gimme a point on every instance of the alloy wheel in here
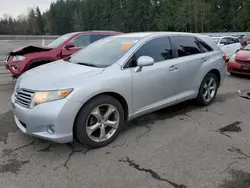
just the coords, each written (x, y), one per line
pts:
(102, 123)
(209, 89)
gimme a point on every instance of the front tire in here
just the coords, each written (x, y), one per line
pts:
(99, 121)
(208, 90)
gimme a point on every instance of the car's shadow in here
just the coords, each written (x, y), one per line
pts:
(240, 76)
(169, 112)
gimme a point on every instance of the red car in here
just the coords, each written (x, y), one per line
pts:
(28, 57)
(239, 63)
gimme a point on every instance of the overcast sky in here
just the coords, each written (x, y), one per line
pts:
(16, 7)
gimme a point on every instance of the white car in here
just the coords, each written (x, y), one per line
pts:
(229, 45)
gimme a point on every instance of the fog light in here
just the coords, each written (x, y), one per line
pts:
(51, 129)
(15, 68)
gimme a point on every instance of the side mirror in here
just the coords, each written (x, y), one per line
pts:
(69, 45)
(145, 61)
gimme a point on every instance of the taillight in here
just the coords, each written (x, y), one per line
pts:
(224, 57)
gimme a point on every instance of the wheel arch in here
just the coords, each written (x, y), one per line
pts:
(115, 95)
(216, 73)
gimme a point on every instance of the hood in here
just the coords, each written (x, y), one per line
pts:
(56, 75)
(243, 55)
(29, 49)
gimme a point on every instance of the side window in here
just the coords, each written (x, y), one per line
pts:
(159, 49)
(204, 46)
(236, 40)
(230, 41)
(94, 38)
(186, 45)
(224, 41)
(81, 40)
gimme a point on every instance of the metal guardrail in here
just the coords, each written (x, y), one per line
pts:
(26, 37)
(47, 37)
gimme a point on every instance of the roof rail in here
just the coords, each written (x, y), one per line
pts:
(101, 31)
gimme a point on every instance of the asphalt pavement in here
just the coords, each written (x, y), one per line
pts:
(184, 146)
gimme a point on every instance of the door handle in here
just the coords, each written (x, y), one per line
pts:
(173, 68)
(203, 60)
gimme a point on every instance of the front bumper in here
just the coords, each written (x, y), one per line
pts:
(238, 68)
(37, 121)
(16, 68)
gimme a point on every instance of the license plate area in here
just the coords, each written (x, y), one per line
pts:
(243, 67)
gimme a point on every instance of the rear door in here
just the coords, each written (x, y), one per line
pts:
(191, 59)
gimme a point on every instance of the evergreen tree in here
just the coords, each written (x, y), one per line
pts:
(39, 21)
(66, 16)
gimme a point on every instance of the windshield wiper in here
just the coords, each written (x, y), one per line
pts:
(86, 64)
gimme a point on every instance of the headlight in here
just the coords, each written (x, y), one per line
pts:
(232, 59)
(46, 96)
(18, 58)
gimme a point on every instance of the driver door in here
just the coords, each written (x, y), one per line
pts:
(155, 85)
(79, 42)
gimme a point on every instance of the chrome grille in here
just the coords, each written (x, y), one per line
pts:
(24, 97)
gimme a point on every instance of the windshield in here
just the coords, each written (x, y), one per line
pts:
(247, 47)
(105, 52)
(60, 40)
(216, 40)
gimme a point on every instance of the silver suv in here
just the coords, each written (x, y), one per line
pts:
(90, 95)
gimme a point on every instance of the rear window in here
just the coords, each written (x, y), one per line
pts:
(186, 45)
(204, 46)
(236, 40)
(247, 47)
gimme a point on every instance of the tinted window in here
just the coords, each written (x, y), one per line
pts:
(236, 40)
(81, 40)
(230, 41)
(186, 46)
(204, 47)
(94, 38)
(224, 41)
(247, 47)
(159, 49)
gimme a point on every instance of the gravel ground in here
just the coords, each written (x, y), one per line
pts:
(183, 146)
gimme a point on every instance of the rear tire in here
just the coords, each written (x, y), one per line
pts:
(99, 121)
(208, 90)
